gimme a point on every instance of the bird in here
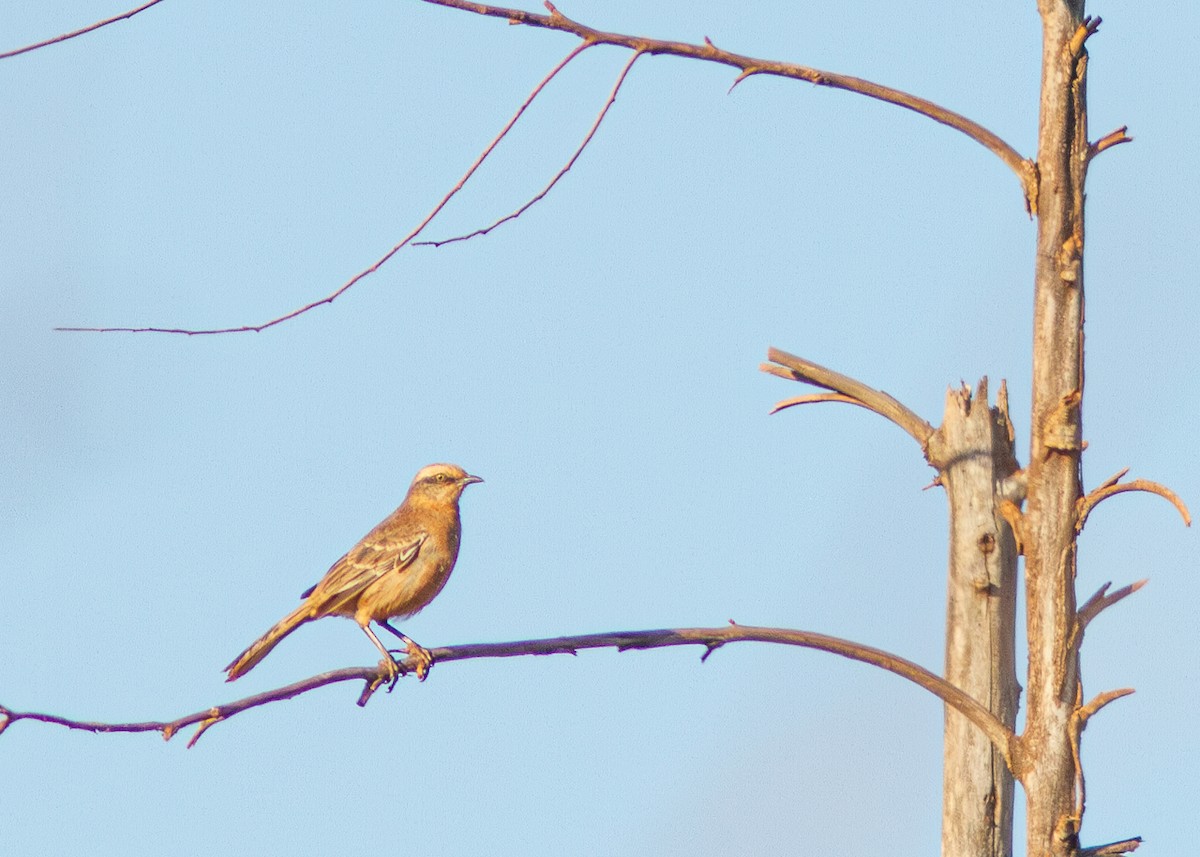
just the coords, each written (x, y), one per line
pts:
(394, 571)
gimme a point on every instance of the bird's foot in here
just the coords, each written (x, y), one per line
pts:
(389, 671)
(420, 654)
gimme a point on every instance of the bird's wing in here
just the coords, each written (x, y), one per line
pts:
(365, 563)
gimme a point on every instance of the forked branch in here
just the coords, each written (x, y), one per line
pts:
(845, 389)
(612, 97)
(710, 638)
(1102, 600)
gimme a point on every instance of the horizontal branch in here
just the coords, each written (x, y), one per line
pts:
(1025, 170)
(124, 16)
(796, 368)
(1112, 849)
(710, 638)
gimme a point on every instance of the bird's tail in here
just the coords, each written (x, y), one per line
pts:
(261, 647)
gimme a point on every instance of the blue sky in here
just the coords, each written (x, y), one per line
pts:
(163, 500)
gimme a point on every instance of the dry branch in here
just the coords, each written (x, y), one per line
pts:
(1112, 849)
(1102, 600)
(1110, 488)
(612, 97)
(330, 298)
(710, 638)
(796, 368)
(124, 16)
(748, 66)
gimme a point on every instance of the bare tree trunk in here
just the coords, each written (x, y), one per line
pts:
(1048, 766)
(973, 451)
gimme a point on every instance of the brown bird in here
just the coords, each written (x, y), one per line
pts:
(397, 569)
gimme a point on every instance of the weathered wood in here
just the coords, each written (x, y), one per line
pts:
(973, 451)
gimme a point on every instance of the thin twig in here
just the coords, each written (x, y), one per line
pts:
(814, 398)
(1111, 489)
(330, 298)
(710, 638)
(612, 97)
(1024, 168)
(89, 28)
(799, 369)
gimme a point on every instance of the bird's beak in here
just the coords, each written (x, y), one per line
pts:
(469, 479)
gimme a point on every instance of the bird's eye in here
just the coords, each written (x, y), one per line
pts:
(441, 477)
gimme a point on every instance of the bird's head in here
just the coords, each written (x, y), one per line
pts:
(440, 483)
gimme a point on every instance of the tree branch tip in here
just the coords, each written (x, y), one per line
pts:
(1114, 479)
(1113, 138)
(1112, 849)
(1086, 29)
(1098, 702)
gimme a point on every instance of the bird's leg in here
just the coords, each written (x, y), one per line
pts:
(389, 662)
(420, 654)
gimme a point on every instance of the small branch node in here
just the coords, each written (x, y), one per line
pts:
(1086, 29)
(748, 71)
(1112, 138)
(213, 719)
(1060, 433)
(1015, 519)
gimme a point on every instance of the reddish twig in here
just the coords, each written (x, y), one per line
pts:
(1024, 168)
(812, 398)
(330, 298)
(89, 28)
(710, 638)
(612, 97)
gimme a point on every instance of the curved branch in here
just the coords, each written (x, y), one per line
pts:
(612, 97)
(812, 398)
(330, 298)
(1024, 168)
(710, 638)
(124, 16)
(1110, 488)
(798, 369)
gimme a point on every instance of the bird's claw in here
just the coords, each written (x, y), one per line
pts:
(421, 655)
(389, 671)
